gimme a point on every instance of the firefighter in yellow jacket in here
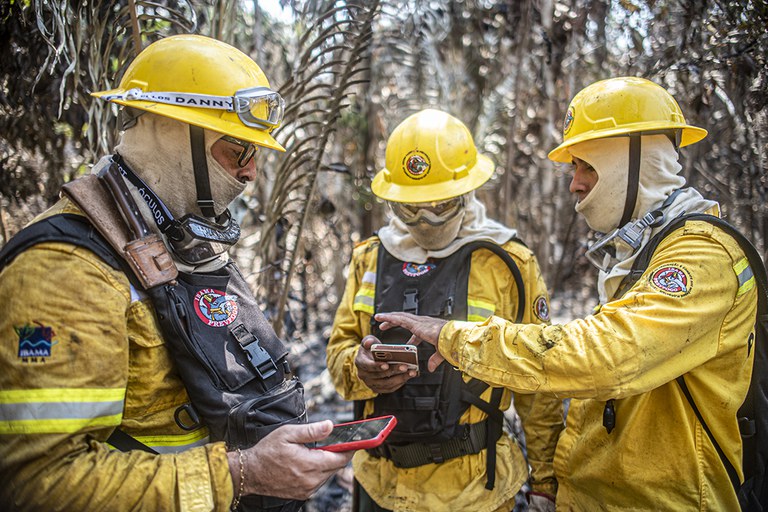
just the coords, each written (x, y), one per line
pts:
(440, 255)
(633, 440)
(82, 355)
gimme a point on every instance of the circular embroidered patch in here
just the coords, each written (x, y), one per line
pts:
(541, 308)
(215, 308)
(416, 164)
(672, 280)
(417, 269)
(568, 122)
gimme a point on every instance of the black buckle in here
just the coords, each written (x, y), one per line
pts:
(259, 358)
(411, 302)
(436, 453)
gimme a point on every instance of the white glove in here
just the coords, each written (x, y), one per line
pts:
(540, 502)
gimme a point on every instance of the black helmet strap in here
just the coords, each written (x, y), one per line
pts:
(200, 166)
(633, 179)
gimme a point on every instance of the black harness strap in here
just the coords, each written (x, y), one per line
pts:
(126, 443)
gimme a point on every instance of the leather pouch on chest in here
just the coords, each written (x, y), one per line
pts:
(231, 361)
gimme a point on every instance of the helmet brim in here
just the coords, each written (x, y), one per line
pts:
(224, 125)
(474, 178)
(690, 135)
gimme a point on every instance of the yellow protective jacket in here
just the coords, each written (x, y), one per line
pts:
(106, 367)
(456, 484)
(658, 457)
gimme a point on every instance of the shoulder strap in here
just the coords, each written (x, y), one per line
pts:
(506, 258)
(64, 227)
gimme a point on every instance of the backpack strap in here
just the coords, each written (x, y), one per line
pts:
(65, 227)
(506, 258)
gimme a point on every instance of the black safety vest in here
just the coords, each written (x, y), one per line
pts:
(232, 363)
(429, 407)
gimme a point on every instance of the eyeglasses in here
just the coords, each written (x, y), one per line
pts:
(434, 213)
(248, 152)
(257, 107)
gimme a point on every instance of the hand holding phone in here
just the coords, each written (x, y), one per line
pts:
(407, 355)
(358, 435)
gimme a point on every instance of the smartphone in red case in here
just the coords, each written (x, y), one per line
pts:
(358, 435)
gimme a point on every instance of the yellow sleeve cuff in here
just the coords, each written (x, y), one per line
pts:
(450, 341)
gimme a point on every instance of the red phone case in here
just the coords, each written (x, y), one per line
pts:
(362, 444)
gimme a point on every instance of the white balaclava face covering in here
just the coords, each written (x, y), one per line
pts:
(158, 150)
(659, 168)
(433, 238)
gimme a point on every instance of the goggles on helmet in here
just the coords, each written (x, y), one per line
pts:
(257, 107)
(193, 239)
(249, 150)
(432, 213)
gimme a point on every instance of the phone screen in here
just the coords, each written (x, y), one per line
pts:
(357, 431)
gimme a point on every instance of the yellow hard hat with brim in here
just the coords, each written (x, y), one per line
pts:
(619, 106)
(202, 82)
(430, 156)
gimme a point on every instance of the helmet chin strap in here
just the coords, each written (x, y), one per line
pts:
(633, 179)
(200, 167)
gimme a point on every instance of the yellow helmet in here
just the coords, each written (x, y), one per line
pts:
(430, 157)
(620, 106)
(205, 83)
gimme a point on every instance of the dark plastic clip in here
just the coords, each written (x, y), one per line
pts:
(411, 302)
(259, 358)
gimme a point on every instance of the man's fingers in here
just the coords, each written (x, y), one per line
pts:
(435, 361)
(368, 341)
(414, 340)
(389, 320)
(307, 433)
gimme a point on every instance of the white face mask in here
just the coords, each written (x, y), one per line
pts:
(603, 207)
(433, 238)
(659, 168)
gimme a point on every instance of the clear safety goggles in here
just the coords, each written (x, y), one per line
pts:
(624, 240)
(247, 153)
(432, 213)
(257, 107)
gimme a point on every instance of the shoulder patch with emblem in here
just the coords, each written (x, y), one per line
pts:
(541, 308)
(673, 280)
(35, 342)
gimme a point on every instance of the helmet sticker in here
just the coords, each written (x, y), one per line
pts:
(215, 308)
(541, 308)
(35, 342)
(416, 164)
(417, 269)
(568, 121)
(672, 280)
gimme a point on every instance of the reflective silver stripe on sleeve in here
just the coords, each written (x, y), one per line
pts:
(41, 411)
